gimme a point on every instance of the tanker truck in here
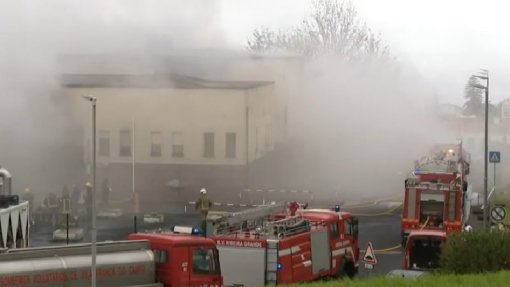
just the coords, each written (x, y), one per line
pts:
(146, 259)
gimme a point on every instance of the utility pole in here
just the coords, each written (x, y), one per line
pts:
(93, 193)
(485, 76)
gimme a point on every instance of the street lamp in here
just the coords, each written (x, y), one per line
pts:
(93, 193)
(485, 76)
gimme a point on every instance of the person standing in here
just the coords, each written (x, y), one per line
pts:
(203, 204)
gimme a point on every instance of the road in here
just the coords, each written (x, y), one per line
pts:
(379, 223)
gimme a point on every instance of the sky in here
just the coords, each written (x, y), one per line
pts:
(446, 41)
(443, 41)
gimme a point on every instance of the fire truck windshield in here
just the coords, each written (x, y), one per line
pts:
(206, 261)
(431, 213)
(424, 253)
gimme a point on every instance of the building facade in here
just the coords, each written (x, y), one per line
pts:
(169, 135)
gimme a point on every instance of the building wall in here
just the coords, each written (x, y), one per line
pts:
(190, 111)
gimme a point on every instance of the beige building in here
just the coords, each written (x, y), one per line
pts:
(178, 131)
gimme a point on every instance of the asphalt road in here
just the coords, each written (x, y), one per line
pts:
(378, 223)
(382, 229)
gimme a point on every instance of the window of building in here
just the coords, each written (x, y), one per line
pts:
(230, 145)
(103, 143)
(177, 144)
(208, 144)
(125, 143)
(155, 144)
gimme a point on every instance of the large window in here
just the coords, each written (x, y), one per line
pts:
(125, 143)
(103, 143)
(177, 144)
(208, 144)
(205, 261)
(230, 145)
(155, 144)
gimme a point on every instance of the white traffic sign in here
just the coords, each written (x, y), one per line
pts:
(498, 213)
(494, 156)
(369, 257)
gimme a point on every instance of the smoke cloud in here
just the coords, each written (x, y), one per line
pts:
(38, 138)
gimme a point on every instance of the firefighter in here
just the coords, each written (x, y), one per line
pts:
(203, 204)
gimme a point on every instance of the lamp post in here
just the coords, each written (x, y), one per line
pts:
(485, 76)
(93, 193)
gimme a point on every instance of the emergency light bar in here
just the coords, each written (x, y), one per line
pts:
(187, 230)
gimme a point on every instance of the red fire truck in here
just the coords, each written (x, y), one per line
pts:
(437, 193)
(274, 245)
(149, 260)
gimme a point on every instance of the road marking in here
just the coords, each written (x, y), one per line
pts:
(389, 250)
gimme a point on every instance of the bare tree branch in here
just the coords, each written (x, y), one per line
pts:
(333, 27)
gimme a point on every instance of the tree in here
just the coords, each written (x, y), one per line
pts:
(332, 27)
(473, 96)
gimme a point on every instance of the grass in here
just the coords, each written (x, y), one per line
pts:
(474, 280)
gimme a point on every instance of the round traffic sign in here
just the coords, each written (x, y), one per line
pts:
(498, 213)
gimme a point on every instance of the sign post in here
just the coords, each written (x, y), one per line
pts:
(369, 259)
(498, 213)
(494, 157)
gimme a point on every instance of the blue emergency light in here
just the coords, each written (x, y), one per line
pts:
(337, 208)
(197, 231)
(279, 266)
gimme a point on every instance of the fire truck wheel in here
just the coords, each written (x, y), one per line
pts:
(347, 270)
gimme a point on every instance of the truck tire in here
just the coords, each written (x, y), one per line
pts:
(347, 270)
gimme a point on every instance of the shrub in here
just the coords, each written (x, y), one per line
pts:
(476, 252)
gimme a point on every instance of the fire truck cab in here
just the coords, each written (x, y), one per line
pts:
(423, 249)
(437, 192)
(147, 259)
(270, 245)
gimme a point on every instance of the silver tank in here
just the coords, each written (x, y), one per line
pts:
(5, 182)
(123, 263)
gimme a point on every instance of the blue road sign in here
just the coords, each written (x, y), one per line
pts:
(494, 156)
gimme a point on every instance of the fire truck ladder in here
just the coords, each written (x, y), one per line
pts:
(272, 261)
(287, 226)
(246, 219)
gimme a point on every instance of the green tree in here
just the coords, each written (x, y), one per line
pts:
(333, 27)
(473, 105)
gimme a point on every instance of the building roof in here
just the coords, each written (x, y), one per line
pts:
(149, 81)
